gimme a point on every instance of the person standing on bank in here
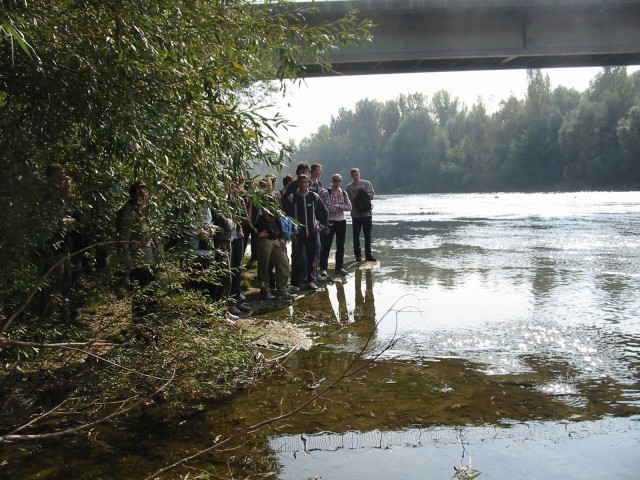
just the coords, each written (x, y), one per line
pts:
(315, 185)
(337, 202)
(305, 208)
(361, 214)
(136, 248)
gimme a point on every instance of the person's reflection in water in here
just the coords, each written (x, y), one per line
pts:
(342, 315)
(364, 314)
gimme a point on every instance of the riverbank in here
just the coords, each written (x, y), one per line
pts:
(128, 350)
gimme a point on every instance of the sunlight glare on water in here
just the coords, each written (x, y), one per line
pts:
(535, 297)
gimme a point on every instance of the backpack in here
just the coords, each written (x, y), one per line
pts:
(362, 201)
(286, 225)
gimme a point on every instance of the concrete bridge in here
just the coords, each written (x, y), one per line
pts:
(453, 35)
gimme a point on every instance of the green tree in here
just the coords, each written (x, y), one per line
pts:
(444, 107)
(589, 136)
(171, 93)
(552, 139)
(542, 168)
(409, 167)
(629, 138)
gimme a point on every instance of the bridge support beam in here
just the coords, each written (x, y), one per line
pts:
(453, 35)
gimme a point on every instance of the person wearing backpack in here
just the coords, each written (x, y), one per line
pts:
(361, 193)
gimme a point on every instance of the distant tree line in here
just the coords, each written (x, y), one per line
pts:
(553, 139)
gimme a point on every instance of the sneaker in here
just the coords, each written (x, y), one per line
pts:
(293, 288)
(371, 259)
(235, 311)
(286, 295)
(230, 317)
(266, 295)
(241, 297)
(312, 286)
(323, 273)
(340, 271)
(244, 307)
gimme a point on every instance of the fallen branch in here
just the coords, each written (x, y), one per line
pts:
(13, 436)
(8, 342)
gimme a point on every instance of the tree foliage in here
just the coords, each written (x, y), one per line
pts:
(552, 139)
(171, 93)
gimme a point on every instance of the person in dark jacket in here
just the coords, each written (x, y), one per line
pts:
(310, 215)
(271, 252)
(136, 247)
(362, 220)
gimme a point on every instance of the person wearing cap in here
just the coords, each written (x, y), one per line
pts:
(310, 215)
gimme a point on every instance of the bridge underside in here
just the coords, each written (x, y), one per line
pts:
(454, 35)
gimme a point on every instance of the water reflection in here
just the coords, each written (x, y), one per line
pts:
(364, 315)
(517, 328)
(525, 296)
(430, 453)
(342, 314)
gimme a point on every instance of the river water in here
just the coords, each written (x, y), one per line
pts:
(506, 334)
(499, 333)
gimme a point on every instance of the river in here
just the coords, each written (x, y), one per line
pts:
(500, 333)
(509, 330)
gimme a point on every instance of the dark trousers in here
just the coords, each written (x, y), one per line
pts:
(237, 254)
(339, 230)
(303, 257)
(365, 224)
(216, 288)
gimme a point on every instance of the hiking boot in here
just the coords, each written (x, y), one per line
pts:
(371, 259)
(340, 271)
(234, 311)
(358, 259)
(312, 286)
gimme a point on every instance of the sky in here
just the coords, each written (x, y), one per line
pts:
(313, 102)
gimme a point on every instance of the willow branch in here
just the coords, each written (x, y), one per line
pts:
(120, 411)
(8, 342)
(34, 291)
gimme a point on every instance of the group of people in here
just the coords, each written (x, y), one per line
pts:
(318, 214)
(303, 214)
